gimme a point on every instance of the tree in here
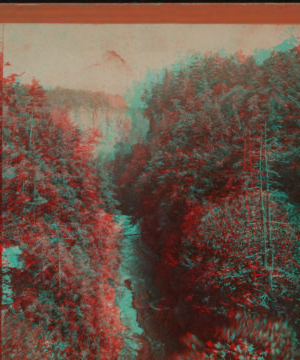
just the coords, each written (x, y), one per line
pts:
(54, 198)
(213, 197)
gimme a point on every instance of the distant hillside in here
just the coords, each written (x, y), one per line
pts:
(74, 99)
(110, 113)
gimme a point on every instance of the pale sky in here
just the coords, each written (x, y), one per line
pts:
(79, 56)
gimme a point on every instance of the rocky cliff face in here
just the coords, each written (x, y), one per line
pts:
(108, 113)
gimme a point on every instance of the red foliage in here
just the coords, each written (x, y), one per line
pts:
(63, 304)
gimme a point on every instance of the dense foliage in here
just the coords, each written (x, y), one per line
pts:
(54, 202)
(213, 189)
(216, 190)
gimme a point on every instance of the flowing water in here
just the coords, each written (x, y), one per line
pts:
(124, 293)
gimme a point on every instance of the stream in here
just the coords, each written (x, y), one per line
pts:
(124, 294)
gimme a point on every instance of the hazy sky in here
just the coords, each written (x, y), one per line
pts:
(91, 57)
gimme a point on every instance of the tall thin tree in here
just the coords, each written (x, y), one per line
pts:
(1, 195)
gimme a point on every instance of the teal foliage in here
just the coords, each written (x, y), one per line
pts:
(211, 187)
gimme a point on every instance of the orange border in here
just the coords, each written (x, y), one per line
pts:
(151, 13)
